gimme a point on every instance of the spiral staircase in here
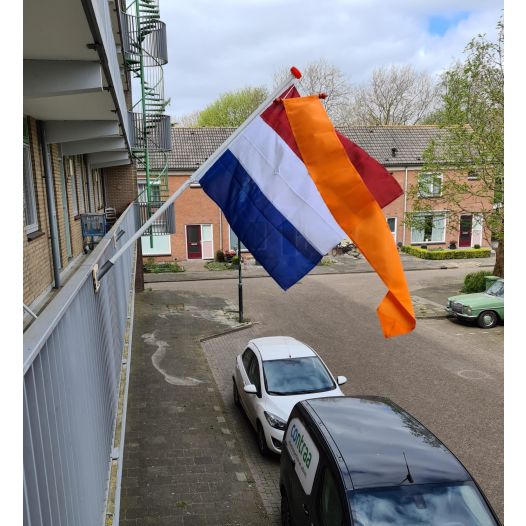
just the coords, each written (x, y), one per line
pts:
(145, 54)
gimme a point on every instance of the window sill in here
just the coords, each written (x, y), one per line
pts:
(35, 235)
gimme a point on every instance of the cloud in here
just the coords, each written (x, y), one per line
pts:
(214, 47)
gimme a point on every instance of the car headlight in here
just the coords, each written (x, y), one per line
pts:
(466, 309)
(275, 421)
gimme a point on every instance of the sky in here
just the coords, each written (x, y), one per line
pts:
(219, 46)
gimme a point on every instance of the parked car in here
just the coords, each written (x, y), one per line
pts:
(271, 376)
(487, 308)
(364, 461)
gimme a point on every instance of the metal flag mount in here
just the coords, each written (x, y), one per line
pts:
(294, 76)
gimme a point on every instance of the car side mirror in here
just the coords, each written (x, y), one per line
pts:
(250, 389)
(341, 380)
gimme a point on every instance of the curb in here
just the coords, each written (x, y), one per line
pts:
(235, 328)
(219, 278)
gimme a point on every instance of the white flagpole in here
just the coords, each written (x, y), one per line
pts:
(198, 173)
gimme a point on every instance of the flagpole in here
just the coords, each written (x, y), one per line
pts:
(294, 75)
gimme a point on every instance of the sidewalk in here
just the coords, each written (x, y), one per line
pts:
(196, 271)
(182, 462)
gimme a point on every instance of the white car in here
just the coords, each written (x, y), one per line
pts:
(271, 375)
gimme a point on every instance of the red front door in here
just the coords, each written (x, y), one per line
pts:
(464, 238)
(193, 241)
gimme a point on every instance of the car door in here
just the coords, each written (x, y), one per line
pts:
(329, 506)
(253, 400)
(243, 365)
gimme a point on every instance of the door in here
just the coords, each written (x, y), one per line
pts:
(207, 242)
(464, 238)
(193, 241)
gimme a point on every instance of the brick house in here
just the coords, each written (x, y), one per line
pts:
(201, 228)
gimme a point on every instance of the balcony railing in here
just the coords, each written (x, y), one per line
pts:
(72, 367)
(163, 225)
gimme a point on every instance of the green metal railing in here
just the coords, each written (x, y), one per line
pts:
(145, 53)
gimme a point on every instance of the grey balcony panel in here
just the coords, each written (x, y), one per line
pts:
(72, 131)
(99, 19)
(54, 78)
(93, 145)
(163, 225)
(158, 132)
(152, 34)
(72, 355)
(103, 157)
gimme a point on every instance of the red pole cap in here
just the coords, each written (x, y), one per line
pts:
(296, 72)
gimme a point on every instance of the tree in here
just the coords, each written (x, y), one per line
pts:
(232, 108)
(472, 141)
(189, 120)
(322, 77)
(394, 95)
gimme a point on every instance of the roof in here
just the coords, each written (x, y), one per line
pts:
(372, 434)
(192, 146)
(281, 348)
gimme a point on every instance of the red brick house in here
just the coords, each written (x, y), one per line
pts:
(201, 228)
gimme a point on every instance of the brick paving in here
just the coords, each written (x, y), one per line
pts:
(183, 464)
(220, 353)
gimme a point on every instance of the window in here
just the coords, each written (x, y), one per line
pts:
(329, 501)
(253, 374)
(430, 184)
(80, 183)
(30, 202)
(247, 355)
(429, 228)
(97, 189)
(69, 163)
(233, 241)
(391, 223)
(155, 192)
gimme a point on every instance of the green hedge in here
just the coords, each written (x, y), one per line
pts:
(460, 253)
(475, 281)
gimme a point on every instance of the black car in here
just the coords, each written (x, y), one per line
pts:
(365, 461)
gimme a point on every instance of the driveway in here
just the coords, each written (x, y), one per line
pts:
(448, 375)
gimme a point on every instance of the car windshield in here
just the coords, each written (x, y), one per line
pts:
(496, 289)
(421, 504)
(296, 376)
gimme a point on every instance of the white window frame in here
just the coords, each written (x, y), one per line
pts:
(394, 232)
(30, 202)
(432, 213)
(432, 183)
(230, 245)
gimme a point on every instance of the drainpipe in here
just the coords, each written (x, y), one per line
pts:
(52, 210)
(220, 229)
(405, 206)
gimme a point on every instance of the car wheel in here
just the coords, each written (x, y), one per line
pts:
(487, 319)
(286, 519)
(235, 393)
(262, 441)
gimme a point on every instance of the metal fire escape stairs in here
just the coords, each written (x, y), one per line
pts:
(145, 53)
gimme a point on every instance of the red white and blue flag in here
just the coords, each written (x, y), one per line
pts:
(292, 187)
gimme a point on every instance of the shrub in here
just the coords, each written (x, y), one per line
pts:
(220, 256)
(461, 253)
(151, 267)
(235, 261)
(476, 246)
(475, 281)
(216, 265)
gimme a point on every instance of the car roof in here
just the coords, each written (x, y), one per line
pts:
(281, 348)
(370, 435)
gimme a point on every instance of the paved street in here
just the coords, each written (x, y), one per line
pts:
(449, 375)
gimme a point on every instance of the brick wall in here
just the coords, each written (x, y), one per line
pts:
(37, 256)
(120, 184)
(37, 252)
(195, 207)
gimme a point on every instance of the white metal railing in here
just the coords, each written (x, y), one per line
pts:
(72, 364)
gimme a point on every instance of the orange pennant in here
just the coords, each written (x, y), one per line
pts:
(352, 206)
